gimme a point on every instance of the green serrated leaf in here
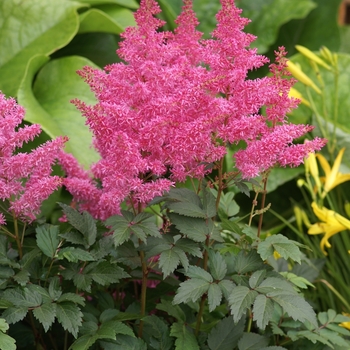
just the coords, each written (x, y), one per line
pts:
(22, 277)
(296, 307)
(189, 247)
(73, 254)
(83, 222)
(121, 229)
(252, 341)
(70, 317)
(47, 239)
(214, 296)
(3, 325)
(124, 342)
(75, 298)
(191, 290)
(209, 203)
(105, 273)
(14, 314)
(225, 334)
(226, 287)
(274, 285)
(84, 342)
(218, 266)
(168, 261)
(282, 245)
(298, 281)
(54, 288)
(172, 310)
(73, 237)
(7, 342)
(256, 278)
(45, 314)
(185, 340)
(262, 311)
(240, 300)
(247, 262)
(157, 333)
(198, 272)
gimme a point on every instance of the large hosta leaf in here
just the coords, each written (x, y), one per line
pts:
(31, 28)
(48, 103)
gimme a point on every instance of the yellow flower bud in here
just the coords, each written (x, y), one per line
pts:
(300, 183)
(296, 94)
(301, 76)
(313, 57)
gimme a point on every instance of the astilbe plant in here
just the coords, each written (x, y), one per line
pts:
(171, 268)
(25, 178)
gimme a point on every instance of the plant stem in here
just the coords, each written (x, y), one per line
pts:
(262, 205)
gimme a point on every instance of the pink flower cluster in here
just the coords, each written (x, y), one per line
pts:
(174, 105)
(25, 178)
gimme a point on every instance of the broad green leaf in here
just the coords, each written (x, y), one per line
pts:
(226, 287)
(83, 222)
(225, 334)
(47, 239)
(198, 272)
(54, 288)
(6, 272)
(172, 310)
(227, 206)
(247, 262)
(196, 229)
(191, 290)
(312, 336)
(262, 311)
(70, 317)
(189, 247)
(15, 314)
(214, 296)
(22, 277)
(282, 245)
(298, 281)
(75, 298)
(73, 254)
(240, 300)
(132, 4)
(312, 31)
(275, 285)
(124, 342)
(73, 237)
(59, 116)
(45, 314)
(296, 307)
(34, 28)
(109, 329)
(121, 229)
(209, 203)
(7, 342)
(185, 340)
(256, 278)
(143, 225)
(105, 273)
(168, 261)
(218, 267)
(22, 298)
(252, 341)
(333, 337)
(267, 16)
(157, 333)
(84, 342)
(3, 325)
(122, 17)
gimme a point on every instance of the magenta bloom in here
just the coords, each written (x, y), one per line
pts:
(25, 178)
(174, 105)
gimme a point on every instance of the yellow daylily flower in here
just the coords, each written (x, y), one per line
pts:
(312, 168)
(333, 177)
(345, 324)
(332, 223)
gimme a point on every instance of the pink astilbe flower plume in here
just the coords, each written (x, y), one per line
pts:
(25, 178)
(174, 104)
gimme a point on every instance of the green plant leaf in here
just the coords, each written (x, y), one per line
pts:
(296, 307)
(185, 340)
(3, 325)
(256, 278)
(83, 222)
(218, 266)
(59, 116)
(157, 333)
(105, 273)
(70, 317)
(132, 4)
(7, 342)
(198, 272)
(196, 229)
(47, 239)
(191, 290)
(267, 16)
(262, 311)
(15, 314)
(282, 245)
(298, 281)
(252, 341)
(225, 334)
(240, 300)
(124, 342)
(214, 296)
(168, 261)
(52, 25)
(275, 285)
(172, 310)
(247, 262)
(75, 298)
(226, 287)
(73, 254)
(45, 314)
(121, 229)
